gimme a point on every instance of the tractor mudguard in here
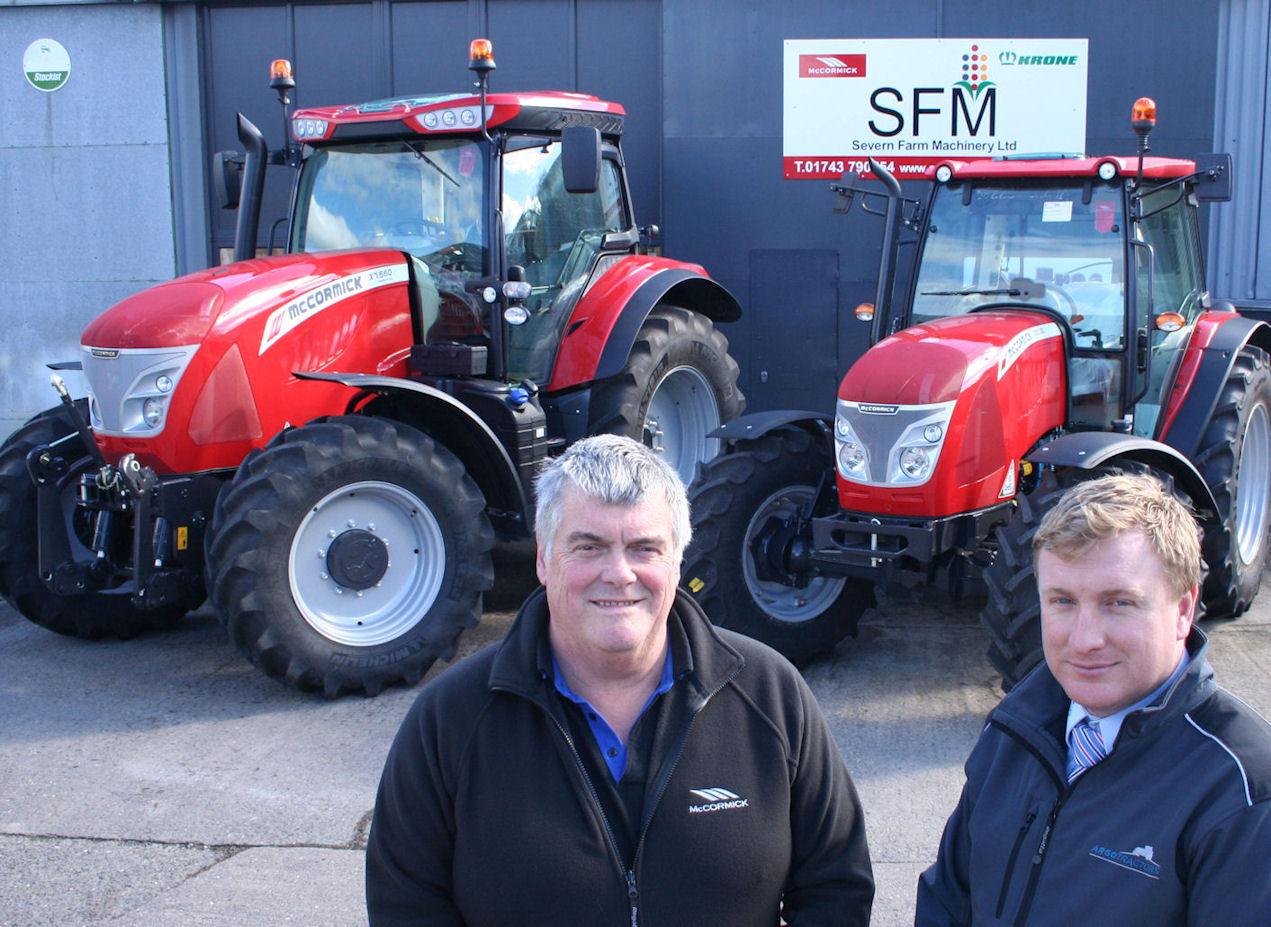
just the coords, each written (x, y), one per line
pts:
(1087, 450)
(462, 431)
(604, 325)
(758, 424)
(1200, 381)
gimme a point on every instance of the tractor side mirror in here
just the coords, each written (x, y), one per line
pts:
(580, 158)
(227, 177)
(1213, 180)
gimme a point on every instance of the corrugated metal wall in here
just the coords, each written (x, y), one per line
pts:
(1240, 232)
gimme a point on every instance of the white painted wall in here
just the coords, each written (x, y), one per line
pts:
(85, 190)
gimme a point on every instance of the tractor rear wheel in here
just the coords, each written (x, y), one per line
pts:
(745, 507)
(106, 612)
(679, 385)
(349, 554)
(1235, 461)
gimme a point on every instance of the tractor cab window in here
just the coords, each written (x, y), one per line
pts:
(1172, 281)
(423, 197)
(555, 237)
(1052, 246)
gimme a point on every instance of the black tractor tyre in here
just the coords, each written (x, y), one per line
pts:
(1012, 610)
(734, 498)
(91, 615)
(1235, 461)
(349, 554)
(679, 384)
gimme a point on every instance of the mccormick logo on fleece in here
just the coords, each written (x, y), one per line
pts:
(324, 296)
(1021, 343)
(831, 65)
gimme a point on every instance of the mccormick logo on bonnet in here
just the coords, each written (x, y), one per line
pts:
(831, 65)
(311, 302)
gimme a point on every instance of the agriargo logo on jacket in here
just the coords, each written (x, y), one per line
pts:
(716, 800)
(831, 65)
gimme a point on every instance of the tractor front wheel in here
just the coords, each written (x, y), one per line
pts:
(679, 385)
(349, 554)
(1012, 612)
(747, 508)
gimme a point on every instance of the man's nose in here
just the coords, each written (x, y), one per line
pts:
(1088, 630)
(618, 569)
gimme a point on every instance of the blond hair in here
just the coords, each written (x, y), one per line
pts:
(1098, 509)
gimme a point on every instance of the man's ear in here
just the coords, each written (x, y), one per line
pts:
(540, 564)
(1187, 611)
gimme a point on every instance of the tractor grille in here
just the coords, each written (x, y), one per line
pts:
(120, 380)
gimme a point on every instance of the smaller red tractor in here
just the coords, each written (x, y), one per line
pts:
(1054, 326)
(326, 442)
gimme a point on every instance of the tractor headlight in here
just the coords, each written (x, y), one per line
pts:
(853, 462)
(915, 462)
(918, 447)
(152, 410)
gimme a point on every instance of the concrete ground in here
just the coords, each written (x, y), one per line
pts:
(164, 781)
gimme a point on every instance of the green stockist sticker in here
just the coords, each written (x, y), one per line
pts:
(47, 65)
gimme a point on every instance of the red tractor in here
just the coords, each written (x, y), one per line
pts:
(1054, 325)
(326, 442)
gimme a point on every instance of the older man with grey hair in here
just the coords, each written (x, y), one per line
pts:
(616, 759)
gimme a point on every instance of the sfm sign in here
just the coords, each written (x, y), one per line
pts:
(911, 103)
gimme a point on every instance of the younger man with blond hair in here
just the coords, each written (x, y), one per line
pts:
(1116, 784)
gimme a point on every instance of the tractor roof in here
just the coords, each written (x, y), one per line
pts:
(442, 114)
(1054, 166)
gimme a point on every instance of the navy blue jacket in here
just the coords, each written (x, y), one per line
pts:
(1172, 828)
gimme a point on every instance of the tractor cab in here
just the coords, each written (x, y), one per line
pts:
(502, 203)
(1108, 250)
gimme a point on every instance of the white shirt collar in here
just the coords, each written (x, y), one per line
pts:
(1110, 726)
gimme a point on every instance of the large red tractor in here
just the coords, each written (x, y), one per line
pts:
(326, 442)
(1054, 325)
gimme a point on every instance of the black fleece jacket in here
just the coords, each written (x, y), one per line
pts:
(486, 815)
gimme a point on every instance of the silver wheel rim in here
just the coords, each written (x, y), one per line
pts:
(416, 564)
(681, 413)
(785, 603)
(1253, 485)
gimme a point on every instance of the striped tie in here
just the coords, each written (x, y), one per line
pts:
(1086, 747)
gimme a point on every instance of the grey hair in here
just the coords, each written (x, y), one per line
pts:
(613, 470)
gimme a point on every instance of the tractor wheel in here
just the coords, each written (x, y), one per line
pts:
(91, 615)
(349, 554)
(742, 504)
(1012, 612)
(1235, 461)
(679, 385)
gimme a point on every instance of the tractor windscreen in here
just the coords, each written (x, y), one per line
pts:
(1054, 246)
(424, 197)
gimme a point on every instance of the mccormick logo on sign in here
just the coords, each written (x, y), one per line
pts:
(831, 65)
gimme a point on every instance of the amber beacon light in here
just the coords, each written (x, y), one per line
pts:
(481, 55)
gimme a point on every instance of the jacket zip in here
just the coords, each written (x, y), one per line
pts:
(1034, 874)
(1026, 903)
(1010, 862)
(628, 875)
